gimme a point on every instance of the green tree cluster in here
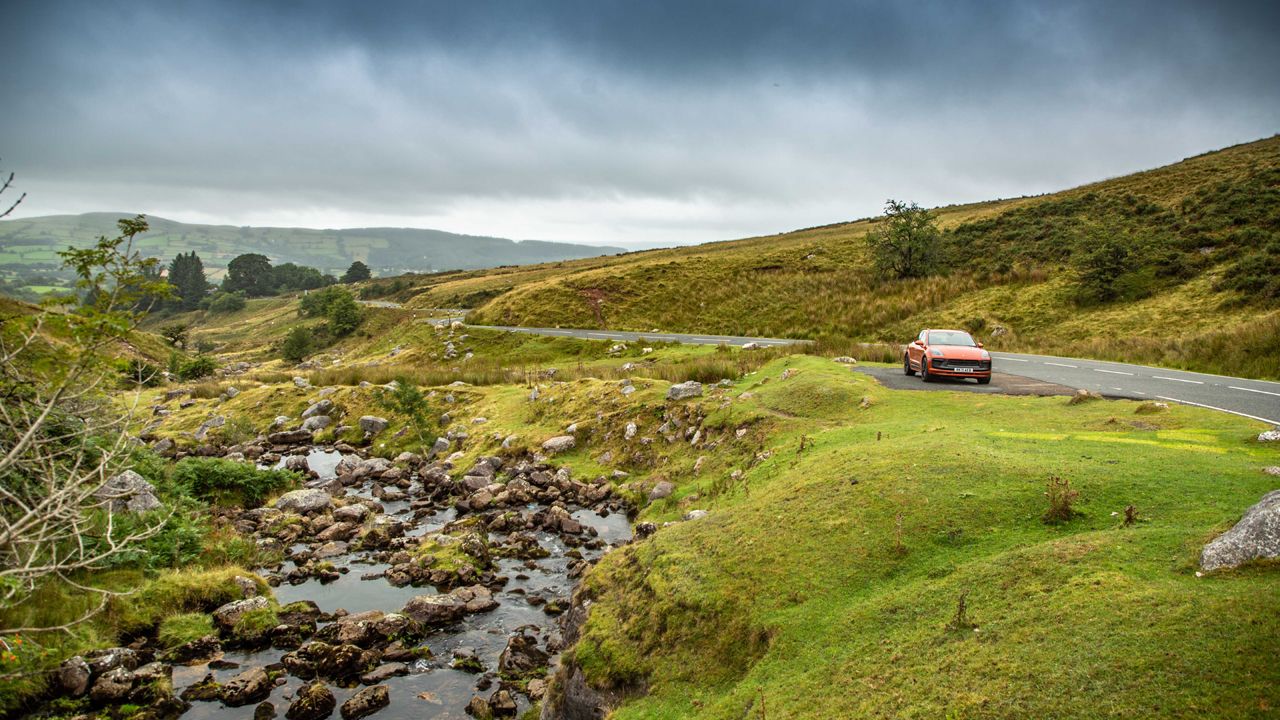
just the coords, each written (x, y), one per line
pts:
(253, 275)
(907, 243)
(358, 272)
(186, 275)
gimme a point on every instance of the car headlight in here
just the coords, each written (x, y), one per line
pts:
(935, 352)
(986, 355)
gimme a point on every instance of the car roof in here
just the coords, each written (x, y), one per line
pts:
(966, 332)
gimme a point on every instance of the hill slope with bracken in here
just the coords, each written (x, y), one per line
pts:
(1203, 241)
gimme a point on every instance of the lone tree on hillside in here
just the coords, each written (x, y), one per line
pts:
(1099, 264)
(906, 243)
(250, 274)
(358, 272)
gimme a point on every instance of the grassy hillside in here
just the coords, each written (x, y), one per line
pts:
(31, 244)
(1203, 237)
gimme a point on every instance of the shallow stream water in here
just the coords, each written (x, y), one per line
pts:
(432, 689)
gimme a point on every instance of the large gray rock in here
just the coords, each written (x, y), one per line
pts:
(129, 492)
(663, 489)
(314, 702)
(316, 423)
(1272, 435)
(73, 676)
(1255, 537)
(683, 390)
(290, 437)
(305, 501)
(372, 424)
(321, 407)
(559, 444)
(112, 686)
(436, 610)
(216, 421)
(228, 615)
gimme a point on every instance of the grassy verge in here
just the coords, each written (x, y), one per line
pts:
(826, 581)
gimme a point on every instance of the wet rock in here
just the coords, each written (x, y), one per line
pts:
(251, 686)
(559, 444)
(207, 690)
(129, 492)
(684, 390)
(73, 676)
(384, 672)
(437, 610)
(227, 616)
(112, 686)
(354, 513)
(501, 704)
(314, 702)
(336, 662)
(305, 501)
(264, 711)
(522, 658)
(372, 424)
(366, 702)
(195, 652)
(1255, 537)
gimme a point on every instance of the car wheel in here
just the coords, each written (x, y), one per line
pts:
(906, 366)
(984, 381)
(924, 369)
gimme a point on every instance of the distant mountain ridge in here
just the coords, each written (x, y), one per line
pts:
(33, 242)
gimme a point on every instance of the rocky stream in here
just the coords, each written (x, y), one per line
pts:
(409, 588)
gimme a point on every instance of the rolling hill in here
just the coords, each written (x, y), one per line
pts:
(31, 243)
(1199, 291)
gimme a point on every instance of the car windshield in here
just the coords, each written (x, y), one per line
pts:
(950, 337)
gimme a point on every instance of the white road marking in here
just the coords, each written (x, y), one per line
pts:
(1193, 382)
(1138, 392)
(1113, 372)
(1002, 359)
(1061, 364)
(1213, 407)
(1264, 392)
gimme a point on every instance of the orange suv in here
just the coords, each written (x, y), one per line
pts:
(947, 353)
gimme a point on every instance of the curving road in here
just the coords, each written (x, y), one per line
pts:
(1021, 374)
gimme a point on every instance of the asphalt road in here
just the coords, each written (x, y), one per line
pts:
(687, 338)
(1032, 374)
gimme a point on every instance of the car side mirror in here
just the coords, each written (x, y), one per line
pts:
(980, 344)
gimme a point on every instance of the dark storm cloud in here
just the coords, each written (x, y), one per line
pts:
(662, 121)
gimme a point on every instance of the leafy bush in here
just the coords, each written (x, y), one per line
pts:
(1099, 266)
(222, 481)
(226, 302)
(200, 367)
(337, 305)
(298, 344)
(175, 333)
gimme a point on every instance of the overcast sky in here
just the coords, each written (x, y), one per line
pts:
(613, 122)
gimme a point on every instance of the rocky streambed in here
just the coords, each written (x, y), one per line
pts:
(408, 588)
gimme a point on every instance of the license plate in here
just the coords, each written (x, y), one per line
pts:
(964, 369)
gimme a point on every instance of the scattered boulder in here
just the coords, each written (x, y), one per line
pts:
(316, 423)
(251, 686)
(681, 391)
(227, 616)
(436, 610)
(1150, 408)
(522, 658)
(73, 676)
(559, 444)
(314, 702)
(321, 407)
(1273, 470)
(1272, 435)
(101, 661)
(1255, 537)
(662, 490)
(216, 421)
(112, 686)
(366, 702)
(846, 360)
(695, 514)
(372, 425)
(129, 492)
(305, 501)
(290, 437)
(1083, 396)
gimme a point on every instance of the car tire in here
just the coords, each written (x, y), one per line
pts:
(924, 370)
(906, 366)
(984, 381)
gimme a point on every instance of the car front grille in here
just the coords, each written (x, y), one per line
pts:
(949, 364)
